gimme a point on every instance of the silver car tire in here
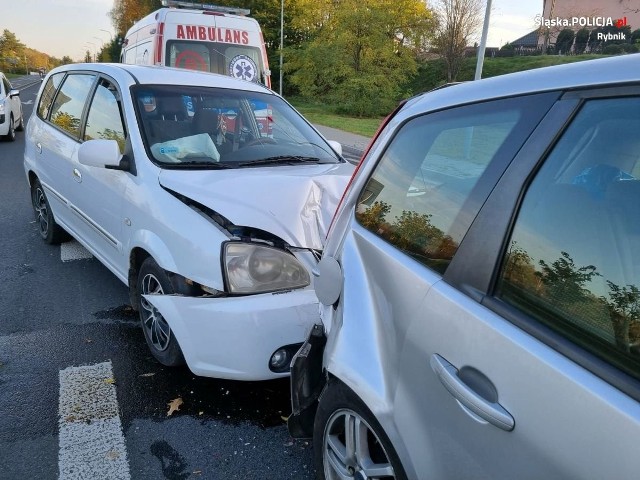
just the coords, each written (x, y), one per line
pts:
(348, 441)
(159, 337)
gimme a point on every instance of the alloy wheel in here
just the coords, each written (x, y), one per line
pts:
(352, 450)
(42, 212)
(156, 327)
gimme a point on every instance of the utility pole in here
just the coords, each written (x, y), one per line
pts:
(483, 42)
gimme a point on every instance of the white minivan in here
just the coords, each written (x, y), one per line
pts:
(208, 38)
(207, 196)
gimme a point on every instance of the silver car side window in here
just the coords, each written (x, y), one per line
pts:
(425, 176)
(573, 261)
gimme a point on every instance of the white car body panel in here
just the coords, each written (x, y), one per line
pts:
(234, 337)
(300, 214)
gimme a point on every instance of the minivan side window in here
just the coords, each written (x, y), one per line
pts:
(573, 261)
(48, 92)
(417, 196)
(104, 120)
(69, 103)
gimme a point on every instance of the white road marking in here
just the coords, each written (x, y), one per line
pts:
(73, 251)
(28, 102)
(91, 440)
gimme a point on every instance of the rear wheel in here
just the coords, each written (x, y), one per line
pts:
(348, 441)
(163, 344)
(49, 230)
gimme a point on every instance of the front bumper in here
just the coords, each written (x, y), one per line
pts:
(234, 337)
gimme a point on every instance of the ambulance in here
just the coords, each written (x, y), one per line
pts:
(196, 36)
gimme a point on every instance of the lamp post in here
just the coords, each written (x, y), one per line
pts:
(281, 40)
(110, 34)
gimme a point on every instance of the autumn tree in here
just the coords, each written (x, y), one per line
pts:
(11, 49)
(126, 12)
(458, 22)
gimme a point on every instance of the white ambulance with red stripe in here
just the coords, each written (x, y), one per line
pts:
(201, 37)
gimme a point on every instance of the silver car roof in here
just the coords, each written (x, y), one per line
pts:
(622, 69)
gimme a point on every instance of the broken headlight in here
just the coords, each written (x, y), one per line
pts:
(255, 268)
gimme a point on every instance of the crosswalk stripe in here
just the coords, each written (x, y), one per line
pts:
(73, 251)
(90, 433)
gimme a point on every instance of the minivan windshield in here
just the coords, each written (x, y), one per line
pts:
(203, 127)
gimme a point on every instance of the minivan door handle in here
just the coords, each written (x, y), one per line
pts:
(491, 412)
(77, 176)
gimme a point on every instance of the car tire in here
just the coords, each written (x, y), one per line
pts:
(339, 407)
(20, 126)
(11, 134)
(160, 339)
(49, 230)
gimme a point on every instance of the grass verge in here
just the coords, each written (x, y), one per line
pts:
(322, 114)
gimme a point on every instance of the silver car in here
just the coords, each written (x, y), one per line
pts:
(480, 287)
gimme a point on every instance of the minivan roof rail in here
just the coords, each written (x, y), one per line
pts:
(205, 6)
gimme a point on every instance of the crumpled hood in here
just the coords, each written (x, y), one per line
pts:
(296, 203)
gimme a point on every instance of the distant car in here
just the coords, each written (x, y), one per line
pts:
(11, 118)
(211, 207)
(480, 288)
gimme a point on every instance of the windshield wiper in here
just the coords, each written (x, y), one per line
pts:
(198, 165)
(280, 160)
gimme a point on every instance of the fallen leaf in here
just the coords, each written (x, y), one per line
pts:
(284, 419)
(110, 381)
(113, 455)
(88, 340)
(147, 375)
(200, 413)
(174, 405)
(70, 418)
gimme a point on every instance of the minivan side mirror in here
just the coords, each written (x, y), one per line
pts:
(101, 153)
(14, 93)
(337, 146)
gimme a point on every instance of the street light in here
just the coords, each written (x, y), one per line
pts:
(110, 34)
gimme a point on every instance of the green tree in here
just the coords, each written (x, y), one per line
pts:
(582, 38)
(624, 306)
(564, 41)
(359, 55)
(564, 280)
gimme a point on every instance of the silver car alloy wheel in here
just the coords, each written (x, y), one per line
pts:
(153, 322)
(353, 450)
(42, 212)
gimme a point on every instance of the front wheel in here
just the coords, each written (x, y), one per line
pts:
(160, 339)
(20, 126)
(11, 134)
(348, 441)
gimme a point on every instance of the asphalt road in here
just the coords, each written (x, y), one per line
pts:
(59, 311)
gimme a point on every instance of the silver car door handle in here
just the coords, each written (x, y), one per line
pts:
(39, 147)
(77, 175)
(492, 412)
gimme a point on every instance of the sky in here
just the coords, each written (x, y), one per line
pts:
(71, 27)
